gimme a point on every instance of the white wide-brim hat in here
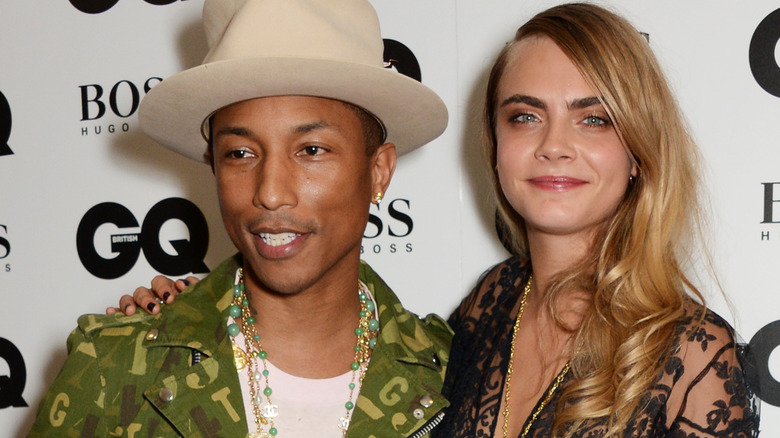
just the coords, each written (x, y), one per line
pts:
(261, 48)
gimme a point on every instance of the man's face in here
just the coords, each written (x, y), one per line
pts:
(294, 184)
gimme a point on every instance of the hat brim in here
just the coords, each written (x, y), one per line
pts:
(172, 113)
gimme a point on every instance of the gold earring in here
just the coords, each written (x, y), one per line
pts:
(378, 198)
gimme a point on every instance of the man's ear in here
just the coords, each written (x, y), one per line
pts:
(382, 167)
(208, 157)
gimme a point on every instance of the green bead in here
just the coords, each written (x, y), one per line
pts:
(357, 347)
(373, 324)
(351, 386)
(251, 320)
(233, 329)
(355, 366)
(267, 390)
(256, 337)
(235, 311)
(241, 286)
(363, 314)
(362, 296)
(272, 431)
(349, 405)
(358, 331)
(265, 373)
(263, 355)
(370, 306)
(245, 303)
(372, 343)
(236, 291)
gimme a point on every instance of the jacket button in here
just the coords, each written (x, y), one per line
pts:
(426, 401)
(166, 395)
(151, 335)
(436, 361)
(418, 413)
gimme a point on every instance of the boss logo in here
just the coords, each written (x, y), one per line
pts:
(762, 54)
(189, 252)
(395, 222)
(5, 126)
(5, 247)
(12, 385)
(100, 6)
(123, 99)
(399, 57)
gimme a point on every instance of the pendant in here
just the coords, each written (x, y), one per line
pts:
(270, 411)
(260, 434)
(239, 357)
(344, 424)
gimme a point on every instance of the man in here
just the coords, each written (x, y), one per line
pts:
(294, 335)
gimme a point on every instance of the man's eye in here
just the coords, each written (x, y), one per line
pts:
(312, 150)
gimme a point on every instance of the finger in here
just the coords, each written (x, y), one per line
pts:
(111, 310)
(184, 283)
(164, 288)
(145, 299)
(126, 305)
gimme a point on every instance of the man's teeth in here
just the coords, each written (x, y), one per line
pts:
(278, 239)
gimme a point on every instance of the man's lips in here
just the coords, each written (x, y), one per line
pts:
(274, 243)
(557, 183)
(278, 239)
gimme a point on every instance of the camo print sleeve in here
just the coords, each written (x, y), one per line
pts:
(74, 401)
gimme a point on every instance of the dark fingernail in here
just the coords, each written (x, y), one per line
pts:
(185, 281)
(126, 306)
(150, 306)
(166, 295)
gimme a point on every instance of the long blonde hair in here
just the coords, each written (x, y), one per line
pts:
(634, 271)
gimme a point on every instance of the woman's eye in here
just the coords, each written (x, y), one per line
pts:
(595, 121)
(525, 118)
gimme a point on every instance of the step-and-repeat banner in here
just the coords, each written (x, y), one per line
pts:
(90, 208)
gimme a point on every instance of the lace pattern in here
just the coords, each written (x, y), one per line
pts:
(702, 385)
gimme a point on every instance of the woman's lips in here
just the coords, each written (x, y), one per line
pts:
(556, 183)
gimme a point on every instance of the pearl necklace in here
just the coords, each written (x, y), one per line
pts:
(259, 387)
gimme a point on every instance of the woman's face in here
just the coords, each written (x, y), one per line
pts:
(561, 164)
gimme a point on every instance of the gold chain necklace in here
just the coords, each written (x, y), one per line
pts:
(366, 333)
(556, 384)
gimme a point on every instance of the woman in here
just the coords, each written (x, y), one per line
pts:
(592, 329)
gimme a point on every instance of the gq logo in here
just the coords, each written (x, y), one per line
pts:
(762, 54)
(764, 342)
(398, 56)
(100, 6)
(12, 385)
(5, 126)
(189, 253)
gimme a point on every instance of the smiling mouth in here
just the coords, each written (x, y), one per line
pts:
(279, 239)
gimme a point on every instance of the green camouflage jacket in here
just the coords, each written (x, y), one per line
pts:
(172, 374)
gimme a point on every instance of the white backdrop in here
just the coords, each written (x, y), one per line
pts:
(69, 141)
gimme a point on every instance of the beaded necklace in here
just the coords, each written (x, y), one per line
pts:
(557, 382)
(259, 387)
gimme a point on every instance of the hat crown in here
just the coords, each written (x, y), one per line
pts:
(341, 30)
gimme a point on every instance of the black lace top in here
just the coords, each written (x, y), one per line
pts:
(716, 400)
